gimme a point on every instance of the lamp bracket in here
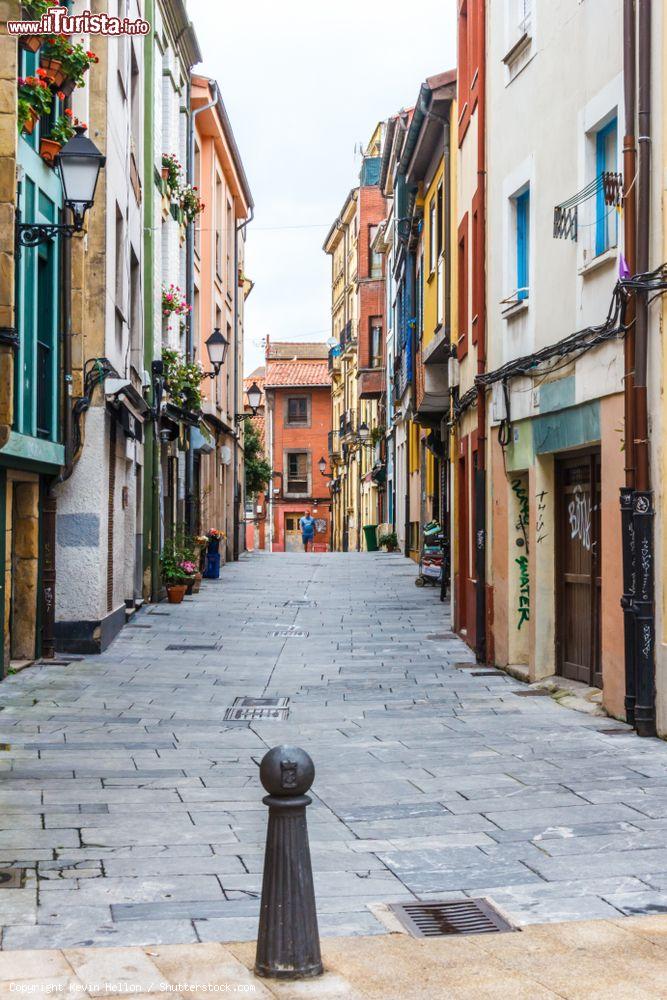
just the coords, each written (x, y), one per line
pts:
(33, 234)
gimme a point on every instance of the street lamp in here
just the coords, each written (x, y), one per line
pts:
(364, 433)
(322, 466)
(216, 345)
(79, 163)
(254, 395)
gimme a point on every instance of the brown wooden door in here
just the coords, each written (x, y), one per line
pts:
(578, 569)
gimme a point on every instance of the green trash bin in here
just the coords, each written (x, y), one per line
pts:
(371, 535)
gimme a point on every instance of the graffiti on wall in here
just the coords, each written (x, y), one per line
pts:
(540, 533)
(579, 515)
(521, 525)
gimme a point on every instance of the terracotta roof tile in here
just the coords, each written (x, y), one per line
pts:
(285, 373)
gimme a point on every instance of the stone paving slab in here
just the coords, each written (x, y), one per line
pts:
(136, 810)
(603, 959)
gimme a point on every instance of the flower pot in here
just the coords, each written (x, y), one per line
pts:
(48, 149)
(190, 586)
(31, 42)
(54, 72)
(165, 173)
(68, 86)
(175, 592)
(29, 126)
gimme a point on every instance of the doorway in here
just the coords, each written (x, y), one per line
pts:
(293, 541)
(578, 564)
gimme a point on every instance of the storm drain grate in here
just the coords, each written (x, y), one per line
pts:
(11, 878)
(300, 603)
(289, 633)
(616, 732)
(532, 693)
(251, 709)
(438, 636)
(465, 916)
(487, 673)
(186, 647)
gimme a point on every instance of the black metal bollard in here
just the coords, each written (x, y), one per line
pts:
(288, 942)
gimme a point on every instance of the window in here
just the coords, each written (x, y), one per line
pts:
(230, 249)
(374, 258)
(120, 262)
(375, 342)
(606, 161)
(524, 9)
(440, 263)
(463, 287)
(197, 173)
(219, 225)
(297, 472)
(522, 208)
(136, 313)
(433, 229)
(297, 410)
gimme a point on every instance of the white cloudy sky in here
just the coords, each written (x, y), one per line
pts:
(304, 81)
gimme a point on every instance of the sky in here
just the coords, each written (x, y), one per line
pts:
(305, 82)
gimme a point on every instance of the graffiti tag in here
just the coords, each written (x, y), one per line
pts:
(579, 515)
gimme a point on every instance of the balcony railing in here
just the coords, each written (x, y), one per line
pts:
(346, 335)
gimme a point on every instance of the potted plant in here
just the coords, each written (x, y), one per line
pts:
(51, 65)
(34, 100)
(171, 171)
(173, 301)
(74, 60)
(189, 202)
(182, 380)
(388, 541)
(61, 132)
(177, 572)
(33, 10)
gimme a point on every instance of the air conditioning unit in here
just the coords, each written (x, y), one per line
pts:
(498, 403)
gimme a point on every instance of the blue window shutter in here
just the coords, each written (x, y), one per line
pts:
(522, 244)
(604, 223)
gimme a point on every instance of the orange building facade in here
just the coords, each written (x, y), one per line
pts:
(298, 421)
(220, 290)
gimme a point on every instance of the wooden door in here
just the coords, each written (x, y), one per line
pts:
(293, 542)
(578, 569)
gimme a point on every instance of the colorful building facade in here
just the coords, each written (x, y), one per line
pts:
(298, 420)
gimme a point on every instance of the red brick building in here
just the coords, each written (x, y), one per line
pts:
(298, 420)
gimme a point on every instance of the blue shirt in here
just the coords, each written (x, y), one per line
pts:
(307, 525)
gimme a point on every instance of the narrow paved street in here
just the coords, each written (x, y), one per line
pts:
(135, 808)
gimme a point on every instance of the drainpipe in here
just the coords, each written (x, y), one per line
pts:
(237, 402)
(643, 510)
(629, 227)
(480, 536)
(190, 295)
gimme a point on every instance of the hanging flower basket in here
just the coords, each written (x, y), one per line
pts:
(34, 100)
(48, 150)
(31, 43)
(53, 71)
(28, 125)
(67, 87)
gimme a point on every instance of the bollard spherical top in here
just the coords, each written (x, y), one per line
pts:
(286, 770)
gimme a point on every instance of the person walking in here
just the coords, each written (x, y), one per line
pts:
(307, 525)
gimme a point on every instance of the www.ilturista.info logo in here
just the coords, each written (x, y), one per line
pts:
(58, 21)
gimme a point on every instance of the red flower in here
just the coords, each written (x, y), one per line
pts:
(60, 95)
(69, 112)
(41, 72)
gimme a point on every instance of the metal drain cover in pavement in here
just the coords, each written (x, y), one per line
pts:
(532, 693)
(186, 647)
(289, 633)
(438, 636)
(300, 603)
(251, 709)
(464, 916)
(11, 878)
(487, 673)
